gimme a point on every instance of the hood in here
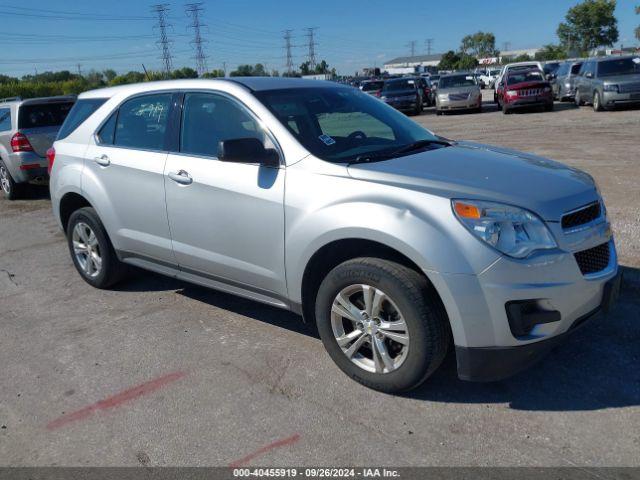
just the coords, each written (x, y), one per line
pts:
(521, 85)
(469, 89)
(475, 171)
(632, 78)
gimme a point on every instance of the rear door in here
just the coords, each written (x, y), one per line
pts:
(125, 166)
(40, 123)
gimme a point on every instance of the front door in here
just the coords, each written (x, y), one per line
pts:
(226, 219)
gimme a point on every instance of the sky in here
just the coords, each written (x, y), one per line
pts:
(350, 34)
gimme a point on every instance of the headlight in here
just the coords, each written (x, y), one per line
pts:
(567, 84)
(512, 93)
(611, 88)
(443, 96)
(514, 231)
(383, 97)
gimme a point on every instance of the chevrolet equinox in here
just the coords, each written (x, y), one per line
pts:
(321, 199)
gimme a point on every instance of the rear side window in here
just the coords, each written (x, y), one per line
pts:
(82, 110)
(142, 122)
(43, 115)
(5, 119)
(108, 130)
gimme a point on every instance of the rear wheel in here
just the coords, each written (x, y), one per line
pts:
(10, 189)
(381, 324)
(91, 250)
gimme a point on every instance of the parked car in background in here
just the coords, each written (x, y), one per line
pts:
(372, 87)
(515, 66)
(27, 130)
(403, 94)
(489, 77)
(393, 241)
(609, 82)
(563, 83)
(550, 69)
(524, 89)
(427, 94)
(458, 92)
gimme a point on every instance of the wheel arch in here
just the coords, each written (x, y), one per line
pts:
(69, 203)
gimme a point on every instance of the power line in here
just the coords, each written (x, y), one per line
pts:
(412, 47)
(193, 10)
(287, 48)
(428, 43)
(311, 44)
(161, 10)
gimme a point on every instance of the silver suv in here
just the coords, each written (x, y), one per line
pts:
(27, 130)
(609, 82)
(320, 199)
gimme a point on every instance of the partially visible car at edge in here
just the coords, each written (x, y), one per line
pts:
(372, 87)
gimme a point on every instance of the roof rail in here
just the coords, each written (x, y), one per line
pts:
(10, 99)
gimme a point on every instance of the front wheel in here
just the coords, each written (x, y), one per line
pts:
(597, 103)
(381, 323)
(91, 250)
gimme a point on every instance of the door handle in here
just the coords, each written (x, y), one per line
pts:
(181, 177)
(102, 160)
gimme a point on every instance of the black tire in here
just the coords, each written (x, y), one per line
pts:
(414, 296)
(505, 109)
(112, 270)
(10, 189)
(597, 102)
(577, 99)
(548, 107)
(438, 112)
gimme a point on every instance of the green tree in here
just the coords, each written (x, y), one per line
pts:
(521, 58)
(551, 52)
(589, 25)
(213, 74)
(479, 44)
(322, 67)
(467, 62)
(109, 74)
(449, 61)
(305, 68)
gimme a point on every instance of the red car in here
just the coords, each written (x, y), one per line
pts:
(524, 89)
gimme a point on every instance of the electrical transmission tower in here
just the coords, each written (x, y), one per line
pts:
(428, 43)
(312, 47)
(287, 47)
(194, 10)
(161, 10)
(412, 47)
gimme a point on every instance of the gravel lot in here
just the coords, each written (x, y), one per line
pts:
(160, 372)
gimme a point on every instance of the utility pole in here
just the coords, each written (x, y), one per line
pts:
(312, 47)
(506, 46)
(194, 10)
(412, 47)
(224, 68)
(287, 47)
(428, 43)
(161, 10)
(79, 65)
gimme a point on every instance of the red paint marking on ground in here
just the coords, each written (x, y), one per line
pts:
(116, 400)
(277, 444)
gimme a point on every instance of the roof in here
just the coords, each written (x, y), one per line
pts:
(416, 59)
(251, 83)
(38, 100)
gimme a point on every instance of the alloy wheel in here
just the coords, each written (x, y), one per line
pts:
(86, 249)
(4, 180)
(369, 328)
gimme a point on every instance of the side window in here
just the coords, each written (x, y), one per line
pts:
(80, 111)
(5, 119)
(208, 119)
(107, 133)
(142, 122)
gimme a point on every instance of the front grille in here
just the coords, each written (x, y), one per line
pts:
(530, 92)
(458, 96)
(580, 217)
(629, 87)
(593, 260)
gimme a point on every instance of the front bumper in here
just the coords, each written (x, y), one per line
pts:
(27, 166)
(489, 364)
(402, 105)
(470, 103)
(529, 102)
(613, 99)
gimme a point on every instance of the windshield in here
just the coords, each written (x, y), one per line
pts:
(43, 115)
(342, 124)
(457, 81)
(400, 84)
(370, 86)
(619, 66)
(520, 77)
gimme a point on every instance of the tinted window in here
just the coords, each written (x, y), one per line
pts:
(563, 69)
(209, 119)
(370, 86)
(340, 124)
(5, 119)
(43, 115)
(457, 81)
(400, 84)
(619, 66)
(78, 114)
(575, 69)
(142, 122)
(108, 130)
(531, 76)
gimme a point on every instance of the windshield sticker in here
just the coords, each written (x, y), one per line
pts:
(326, 139)
(636, 60)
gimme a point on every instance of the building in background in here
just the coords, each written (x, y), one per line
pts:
(415, 64)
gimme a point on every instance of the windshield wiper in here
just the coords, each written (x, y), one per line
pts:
(418, 145)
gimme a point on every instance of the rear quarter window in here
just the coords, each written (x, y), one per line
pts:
(82, 110)
(5, 119)
(43, 115)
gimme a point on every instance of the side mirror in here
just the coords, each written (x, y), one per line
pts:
(247, 150)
